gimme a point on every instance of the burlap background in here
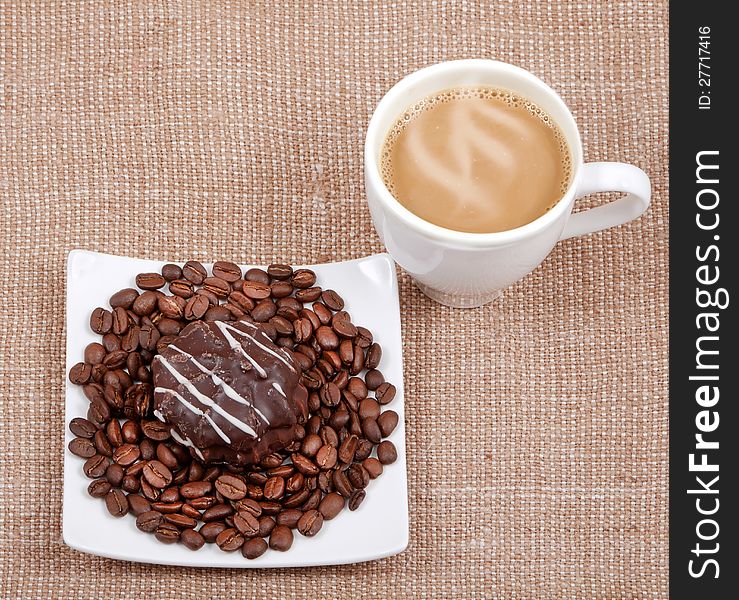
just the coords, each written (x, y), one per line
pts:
(537, 427)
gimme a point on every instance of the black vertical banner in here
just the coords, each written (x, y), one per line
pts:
(704, 261)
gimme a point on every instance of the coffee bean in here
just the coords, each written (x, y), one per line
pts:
(329, 437)
(247, 524)
(169, 307)
(331, 505)
(101, 442)
(294, 483)
(330, 394)
(387, 421)
(170, 272)
(123, 298)
(181, 521)
(281, 289)
(195, 489)
(332, 300)
(289, 517)
(217, 313)
(347, 449)
(357, 361)
(310, 294)
(327, 457)
(138, 505)
(191, 539)
(356, 499)
(150, 281)
(148, 521)
(155, 430)
(374, 379)
(130, 341)
(254, 548)
(82, 447)
(310, 523)
(227, 271)
(327, 338)
(182, 288)
(191, 511)
(130, 484)
(210, 531)
(229, 540)
(120, 321)
(371, 430)
(364, 449)
(256, 290)
(98, 412)
(266, 525)
(149, 337)
(243, 302)
(116, 359)
(114, 474)
(203, 502)
(167, 533)
(116, 503)
(281, 538)
(166, 456)
(256, 275)
(274, 489)
(385, 393)
(101, 320)
(346, 351)
(247, 505)
(217, 286)
(310, 445)
(82, 428)
(369, 408)
(147, 449)
(343, 326)
(94, 353)
(358, 476)
(130, 432)
(358, 388)
(145, 303)
(194, 271)
(80, 373)
(127, 454)
(303, 278)
(304, 465)
(231, 487)
(171, 494)
(111, 342)
(98, 488)
(166, 508)
(303, 329)
(157, 474)
(386, 452)
(342, 484)
(279, 271)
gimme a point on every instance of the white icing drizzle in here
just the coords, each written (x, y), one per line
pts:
(186, 442)
(279, 389)
(262, 346)
(203, 399)
(227, 389)
(159, 416)
(223, 328)
(196, 410)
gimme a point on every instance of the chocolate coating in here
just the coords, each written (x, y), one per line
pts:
(228, 392)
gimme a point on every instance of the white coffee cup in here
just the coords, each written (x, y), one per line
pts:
(463, 269)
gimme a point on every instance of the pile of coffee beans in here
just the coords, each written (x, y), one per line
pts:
(137, 468)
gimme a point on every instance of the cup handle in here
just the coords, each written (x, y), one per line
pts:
(609, 177)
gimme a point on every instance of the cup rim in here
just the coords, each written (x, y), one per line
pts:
(453, 236)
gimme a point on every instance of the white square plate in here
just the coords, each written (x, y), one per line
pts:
(378, 528)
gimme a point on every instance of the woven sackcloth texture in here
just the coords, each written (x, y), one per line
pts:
(537, 426)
